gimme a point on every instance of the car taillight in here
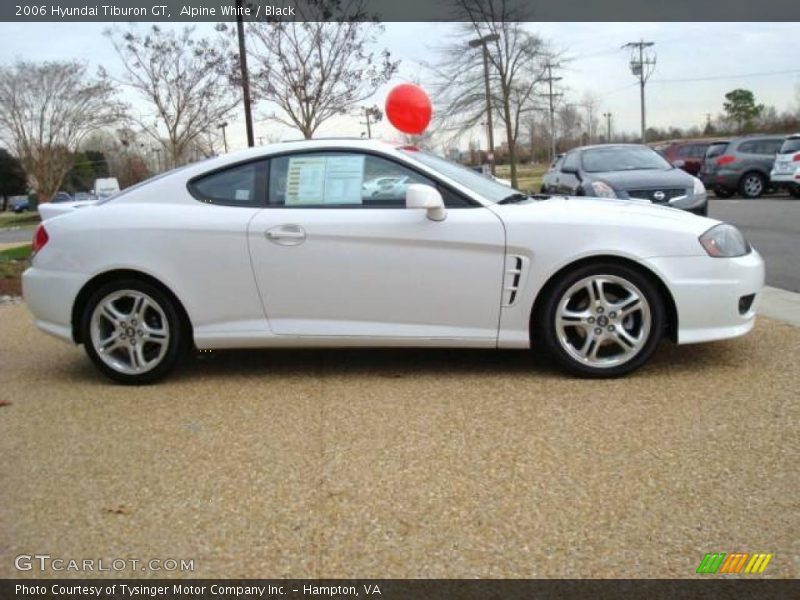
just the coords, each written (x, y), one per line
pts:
(725, 159)
(40, 238)
(796, 157)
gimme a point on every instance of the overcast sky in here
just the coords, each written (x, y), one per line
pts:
(759, 56)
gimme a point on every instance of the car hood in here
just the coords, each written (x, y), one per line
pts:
(600, 211)
(592, 226)
(645, 179)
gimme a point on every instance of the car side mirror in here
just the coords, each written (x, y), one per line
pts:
(428, 197)
(570, 170)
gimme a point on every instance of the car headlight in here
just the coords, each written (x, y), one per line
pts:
(697, 197)
(724, 241)
(603, 190)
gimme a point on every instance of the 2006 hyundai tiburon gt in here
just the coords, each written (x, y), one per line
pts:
(295, 244)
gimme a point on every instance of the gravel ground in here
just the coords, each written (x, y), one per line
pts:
(400, 463)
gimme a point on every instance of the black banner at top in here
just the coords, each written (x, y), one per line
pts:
(399, 10)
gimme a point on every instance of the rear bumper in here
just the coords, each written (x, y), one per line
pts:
(50, 296)
(785, 179)
(707, 292)
(722, 178)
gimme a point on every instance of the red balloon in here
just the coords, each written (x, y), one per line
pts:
(409, 108)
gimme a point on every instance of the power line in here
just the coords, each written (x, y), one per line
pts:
(724, 77)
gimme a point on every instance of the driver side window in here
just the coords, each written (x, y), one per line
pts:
(340, 180)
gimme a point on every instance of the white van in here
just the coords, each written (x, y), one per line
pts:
(105, 187)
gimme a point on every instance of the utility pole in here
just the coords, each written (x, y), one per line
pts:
(551, 96)
(248, 114)
(372, 114)
(642, 66)
(224, 137)
(481, 42)
(607, 115)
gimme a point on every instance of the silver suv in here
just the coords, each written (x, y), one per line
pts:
(786, 170)
(740, 165)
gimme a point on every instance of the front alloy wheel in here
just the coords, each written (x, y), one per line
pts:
(603, 320)
(132, 332)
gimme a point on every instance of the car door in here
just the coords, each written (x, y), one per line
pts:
(568, 179)
(331, 261)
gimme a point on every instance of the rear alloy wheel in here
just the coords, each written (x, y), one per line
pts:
(132, 332)
(752, 185)
(603, 320)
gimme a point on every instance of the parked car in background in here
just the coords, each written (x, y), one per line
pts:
(385, 186)
(684, 154)
(83, 196)
(740, 165)
(785, 172)
(549, 179)
(21, 206)
(105, 187)
(61, 197)
(625, 171)
(457, 260)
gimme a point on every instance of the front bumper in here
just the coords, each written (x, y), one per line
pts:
(707, 292)
(50, 296)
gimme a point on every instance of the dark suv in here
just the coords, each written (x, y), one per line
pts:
(740, 165)
(685, 154)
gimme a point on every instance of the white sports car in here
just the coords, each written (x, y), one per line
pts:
(279, 246)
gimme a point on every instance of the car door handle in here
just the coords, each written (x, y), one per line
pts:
(286, 235)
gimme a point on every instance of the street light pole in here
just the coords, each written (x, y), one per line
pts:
(493, 37)
(224, 137)
(248, 115)
(607, 115)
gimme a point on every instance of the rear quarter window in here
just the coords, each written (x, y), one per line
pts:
(790, 145)
(715, 150)
(239, 185)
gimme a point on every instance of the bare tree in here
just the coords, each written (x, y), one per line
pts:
(46, 109)
(313, 70)
(516, 63)
(569, 125)
(183, 78)
(590, 117)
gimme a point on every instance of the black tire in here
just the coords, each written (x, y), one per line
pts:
(794, 191)
(178, 338)
(723, 193)
(752, 185)
(546, 319)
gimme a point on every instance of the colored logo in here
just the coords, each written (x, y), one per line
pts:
(738, 563)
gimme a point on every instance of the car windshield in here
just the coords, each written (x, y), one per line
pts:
(790, 145)
(622, 158)
(489, 189)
